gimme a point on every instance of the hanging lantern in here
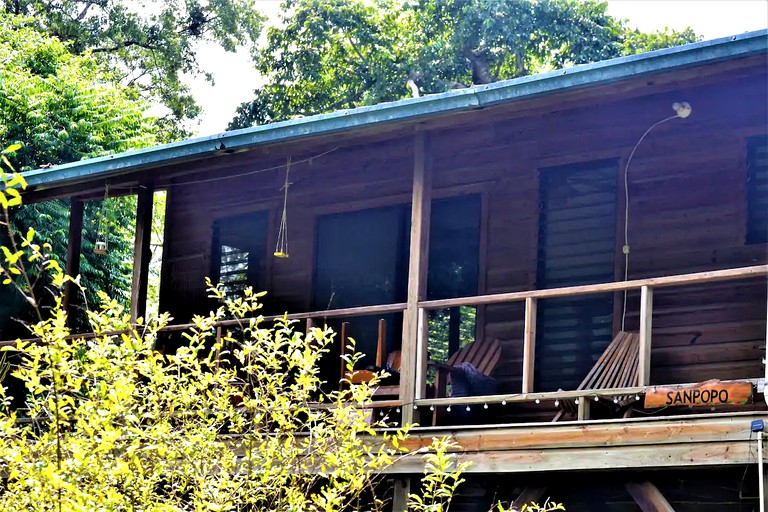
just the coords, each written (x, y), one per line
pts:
(102, 235)
(281, 249)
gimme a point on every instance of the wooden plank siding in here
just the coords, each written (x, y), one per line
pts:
(687, 210)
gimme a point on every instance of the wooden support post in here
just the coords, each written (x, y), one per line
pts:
(74, 249)
(583, 410)
(646, 324)
(142, 252)
(529, 344)
(648, 497)
(400, 497)
(414, 350)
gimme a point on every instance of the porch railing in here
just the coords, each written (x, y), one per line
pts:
(531, 298)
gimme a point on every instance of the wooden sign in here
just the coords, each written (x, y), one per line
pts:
(706, 394)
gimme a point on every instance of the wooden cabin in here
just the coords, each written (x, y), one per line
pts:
(586, 241)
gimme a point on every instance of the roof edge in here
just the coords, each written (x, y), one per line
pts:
(613, 70)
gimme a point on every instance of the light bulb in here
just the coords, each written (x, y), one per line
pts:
(485, 406)
(468, 409)
(682, 109)
(503, 402)
(448, 408)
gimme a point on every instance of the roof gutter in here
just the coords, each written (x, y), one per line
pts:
(623, 68)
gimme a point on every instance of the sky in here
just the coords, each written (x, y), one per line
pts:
(235, 78)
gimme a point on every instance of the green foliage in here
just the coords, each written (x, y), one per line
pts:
(61, 107)
(236, 421)
(152, 43)
(328, 55)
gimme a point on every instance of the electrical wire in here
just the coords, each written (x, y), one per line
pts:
(625, 249)
(249, 173)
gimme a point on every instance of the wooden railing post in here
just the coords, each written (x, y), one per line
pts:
(529, 344)
(646, 324)
(414, 346)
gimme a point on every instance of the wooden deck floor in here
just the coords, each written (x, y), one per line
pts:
(700, 440)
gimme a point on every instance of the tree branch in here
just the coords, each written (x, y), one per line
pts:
(124, 44)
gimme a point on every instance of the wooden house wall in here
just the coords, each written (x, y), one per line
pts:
(687, 212)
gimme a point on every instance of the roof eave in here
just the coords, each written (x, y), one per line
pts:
(623, 68)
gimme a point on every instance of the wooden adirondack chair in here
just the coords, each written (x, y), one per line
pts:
(617, 367)
(483, 354)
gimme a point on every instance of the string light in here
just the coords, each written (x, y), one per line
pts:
(397, 410)
(576, 401)
(557, 403)
(503, 402)
(448, 409)
(538, 401)
(468, 409)
(637, 397)
(415, 407)
(485, 406)
(597, 398)
(615, 399)
(431, 407)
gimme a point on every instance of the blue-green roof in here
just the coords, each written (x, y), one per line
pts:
(623, 68)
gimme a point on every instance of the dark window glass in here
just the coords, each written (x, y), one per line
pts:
(240, 252)
(577, 226)
(362, 259)
(757, 190)
(454, 261)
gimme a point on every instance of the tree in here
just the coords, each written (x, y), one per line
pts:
(328, 55)
(148, 44)
(62, 107)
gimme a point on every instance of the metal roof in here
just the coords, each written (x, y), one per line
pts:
(622, 68)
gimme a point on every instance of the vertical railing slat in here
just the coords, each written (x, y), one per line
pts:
(646, 325)
(529, 344)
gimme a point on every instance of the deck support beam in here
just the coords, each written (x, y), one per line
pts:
(648, 497)
(142, 252)
(414, 350)
(529, 496)
(74, 249)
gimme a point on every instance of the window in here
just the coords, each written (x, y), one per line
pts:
(757, 190)
(362, 260)
(240, 252)
(454, 262)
